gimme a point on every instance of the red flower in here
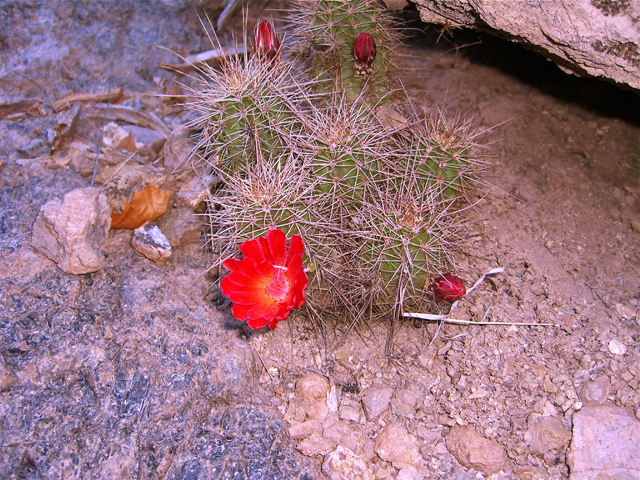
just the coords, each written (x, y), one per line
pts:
(266, 41)
(268, 282)
(449, 288)
(364, 51)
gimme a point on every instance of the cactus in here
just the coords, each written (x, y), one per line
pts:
(377, 208)
(327, 31)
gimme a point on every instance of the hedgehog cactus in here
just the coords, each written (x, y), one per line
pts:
(349, 41)
(248, 107)
(376, 207)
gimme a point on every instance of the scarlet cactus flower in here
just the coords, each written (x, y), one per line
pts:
(266, 41)
(449, 288)
(268, 282)
(364, 52)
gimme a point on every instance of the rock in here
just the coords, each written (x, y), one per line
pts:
(149, 142)
(65, 127)
(396, 4)
(181, 227)
(177, 149)
(474, 451)
(530, 472)
(404, 401)
(312, 388)
(605, 444)
(376, 400)
(596, 392)
(410, 473)
(305, 429)
(38, 147)
(194, 193)
(342, 433)
(547, 434)
(148, 241)
(350, 412)
(343, 464)
(316, 445)
(317, 411)
(397, 446)
(72, 232)
(617, 347)
(598, 38)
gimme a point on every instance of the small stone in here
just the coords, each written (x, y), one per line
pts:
(399, 447)
(404, 401)
(341, 432)
(305, 429)
(409, 473)
(596, 392)
(348, 412)
(548, 434)
(317, 410)
(194, 193)
(181, 227)
(312, 388)
(148, 241)
(474, 451)
(316, 445)
(605, 444)
(617, 347)
(376, 400)
(177, 149)
(530, 472)
(343, 464)
(38, 147)
(72, 232)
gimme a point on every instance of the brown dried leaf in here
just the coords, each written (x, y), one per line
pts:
(70, 99)
(146, 205)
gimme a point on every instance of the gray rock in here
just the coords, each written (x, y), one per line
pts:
(599, 38)
(376, 400)
(72, 232)
(148, 241)
(343, 464)
(547, 434)
(605, 444)
(38, 147)
(474, 451)
(177, 150)
(399, 447)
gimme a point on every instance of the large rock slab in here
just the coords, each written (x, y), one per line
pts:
(598, 37)
(605, 444)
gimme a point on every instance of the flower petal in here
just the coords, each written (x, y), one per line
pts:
(259, 323)
(296, 247)
(265, 270)
(247, 297)
(266, 309)
(240, 311)
(242, 281)
(278, 246)
(252, 249)
(264, 243)
(232, 264)
(273, 324)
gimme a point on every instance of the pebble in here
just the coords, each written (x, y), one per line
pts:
(313, 388)
(474, 451)
(548, 434)
(605, 443)
(399, 447)
(316, 445)
(38, 147)
(341, 432)
(596, 392)
(377, 400)
(72, 232)
(530, 472)
(343, 464)
(617, 347)
(305, 429)
(194, 193)
(148, 241)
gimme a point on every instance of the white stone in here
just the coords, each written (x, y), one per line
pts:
(617, 347)
(148, 241)
(343, 464)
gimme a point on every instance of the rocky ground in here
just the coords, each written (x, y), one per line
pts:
(132, 371)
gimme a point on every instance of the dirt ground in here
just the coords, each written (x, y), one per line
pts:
(558, 208)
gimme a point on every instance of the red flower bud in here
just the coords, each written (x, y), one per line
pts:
(266, 42)
(449, 288)
(364, 51)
